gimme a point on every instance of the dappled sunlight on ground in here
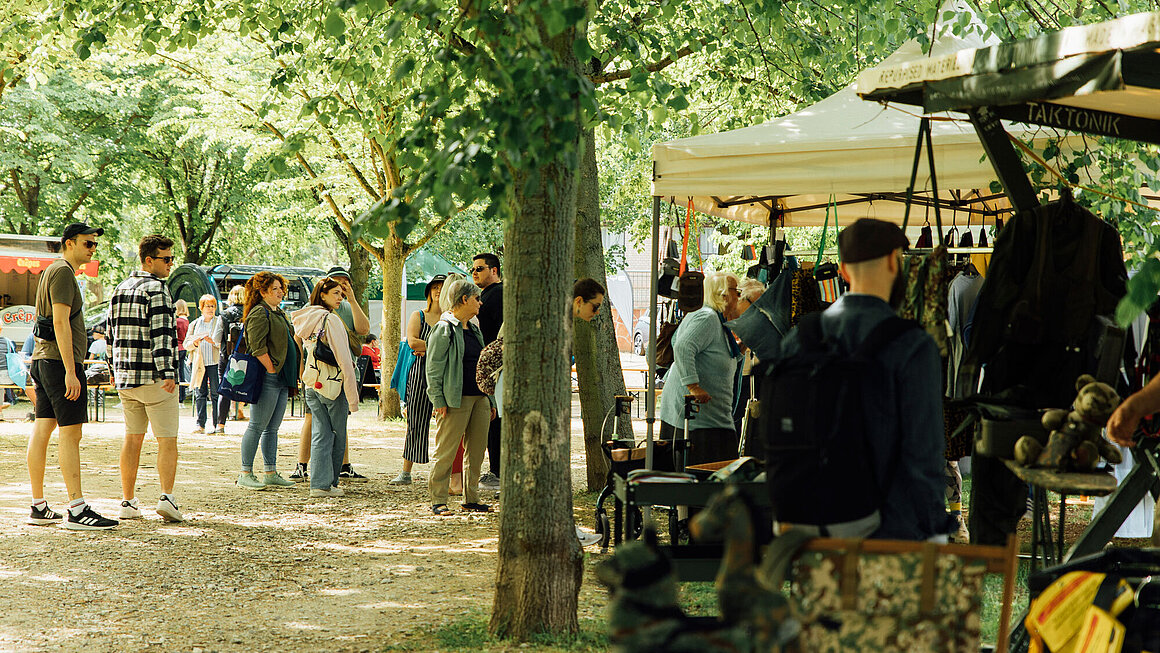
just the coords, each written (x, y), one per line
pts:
(270, 570)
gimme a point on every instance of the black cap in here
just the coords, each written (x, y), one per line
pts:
(439, 278)
(79, 228)
(868, 239)
(337, 271)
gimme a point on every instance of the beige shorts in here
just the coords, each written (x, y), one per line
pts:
(150, 404)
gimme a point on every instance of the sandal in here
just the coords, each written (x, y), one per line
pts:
(476, 507)
(440, 510)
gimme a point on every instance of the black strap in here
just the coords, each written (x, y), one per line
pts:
(810, 329)
(884, 334)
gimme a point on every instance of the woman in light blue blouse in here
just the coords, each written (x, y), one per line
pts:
(705, 360)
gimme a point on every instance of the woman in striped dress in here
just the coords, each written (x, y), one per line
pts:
(419, 407)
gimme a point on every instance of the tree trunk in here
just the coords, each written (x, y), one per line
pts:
(598, 372)
(540, 562)
(394, 253)
(360, 270)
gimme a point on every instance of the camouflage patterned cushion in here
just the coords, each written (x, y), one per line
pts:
(887, 612)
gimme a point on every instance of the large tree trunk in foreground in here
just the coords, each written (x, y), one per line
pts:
(394, 254)
(598, 372)
(539, 571)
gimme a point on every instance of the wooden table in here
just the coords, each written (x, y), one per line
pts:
(1096, 484)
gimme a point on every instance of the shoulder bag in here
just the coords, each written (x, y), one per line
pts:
(321, 376)
(243, 376)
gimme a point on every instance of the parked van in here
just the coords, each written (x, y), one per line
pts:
(190, 281)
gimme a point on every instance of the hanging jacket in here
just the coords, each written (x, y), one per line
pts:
(1054, 270)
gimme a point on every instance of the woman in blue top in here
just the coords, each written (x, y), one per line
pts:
(705, 360)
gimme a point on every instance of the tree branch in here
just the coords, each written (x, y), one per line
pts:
(319, 185)
(431, 231)
(617, 75)
(16, 186)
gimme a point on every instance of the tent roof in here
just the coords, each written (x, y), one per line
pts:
(843, 145)
(422, 265)
(1097, 79)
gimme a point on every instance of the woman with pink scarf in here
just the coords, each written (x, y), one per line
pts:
(331, 389)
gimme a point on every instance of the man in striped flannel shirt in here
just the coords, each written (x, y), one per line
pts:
(143, 333)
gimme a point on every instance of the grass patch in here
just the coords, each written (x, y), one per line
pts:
(468, 634)
(993, 600)
(699, 599)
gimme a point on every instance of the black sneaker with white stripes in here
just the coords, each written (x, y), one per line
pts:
(44, 516)
(89, 520)
(350, 476)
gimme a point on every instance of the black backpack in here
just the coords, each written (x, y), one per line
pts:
(813, 424)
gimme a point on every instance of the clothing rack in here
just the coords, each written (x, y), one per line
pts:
(924, 250)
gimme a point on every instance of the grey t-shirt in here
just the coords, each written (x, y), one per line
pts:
(58, 285)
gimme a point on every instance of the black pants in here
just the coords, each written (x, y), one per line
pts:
(998, 501)
(182, 376)
(493, 446)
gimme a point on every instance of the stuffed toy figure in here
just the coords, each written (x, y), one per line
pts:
(1076, 441)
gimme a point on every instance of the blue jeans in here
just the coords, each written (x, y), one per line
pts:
(208, 382)
(265, 418)
(327, 438)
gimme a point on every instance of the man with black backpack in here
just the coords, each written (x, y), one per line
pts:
(851, 413)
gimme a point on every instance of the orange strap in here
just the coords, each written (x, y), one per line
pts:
(685, 245)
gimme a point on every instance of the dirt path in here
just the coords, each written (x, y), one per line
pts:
(272, 570)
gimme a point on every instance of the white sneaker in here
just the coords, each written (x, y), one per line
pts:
(332, 492)
(129, 510)
(586, 538)
(168, 510)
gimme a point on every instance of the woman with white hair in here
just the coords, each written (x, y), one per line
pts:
(225, 337)
(203, 355)
(705, 359)
(461, 408)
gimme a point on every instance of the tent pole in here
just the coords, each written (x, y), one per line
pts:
(1003, 158)
(651, 395)
(933, 180)
(913, 177)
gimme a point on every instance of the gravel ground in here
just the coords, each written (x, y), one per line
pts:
(271, 570)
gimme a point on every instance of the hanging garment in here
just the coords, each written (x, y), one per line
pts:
(961, 296)
(934, 298)
(1055, 269)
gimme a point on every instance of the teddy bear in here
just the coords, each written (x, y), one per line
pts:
(1075, 443)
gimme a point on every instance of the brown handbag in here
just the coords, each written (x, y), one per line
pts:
(665, 344)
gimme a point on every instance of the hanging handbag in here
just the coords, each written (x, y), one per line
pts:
(826, 274)
(667, 280)
(322, 351)
(243, 377)
(691, 292)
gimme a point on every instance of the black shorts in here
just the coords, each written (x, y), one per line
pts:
(50, 400)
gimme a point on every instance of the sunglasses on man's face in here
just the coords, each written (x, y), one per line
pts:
(480, 268)
(164, 259)
(91, 244)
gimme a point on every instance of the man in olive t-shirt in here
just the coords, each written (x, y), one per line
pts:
(60, 380)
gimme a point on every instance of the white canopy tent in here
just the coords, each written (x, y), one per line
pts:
(860, 151)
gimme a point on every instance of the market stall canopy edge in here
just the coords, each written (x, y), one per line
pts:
(861, 152)
(1109, 71)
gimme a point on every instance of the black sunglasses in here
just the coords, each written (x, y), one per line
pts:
(91, 244)
(480, 268)
(165, 259)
